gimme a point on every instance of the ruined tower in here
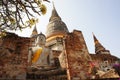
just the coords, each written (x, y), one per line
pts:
(99, 49)
(34, 32)
(34, 36)
(56, 29)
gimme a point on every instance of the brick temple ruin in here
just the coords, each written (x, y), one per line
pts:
(72, 60)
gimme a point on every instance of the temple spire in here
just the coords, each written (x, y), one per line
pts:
(99, 49)
(54, 14)
(34, 32)
(95, 39)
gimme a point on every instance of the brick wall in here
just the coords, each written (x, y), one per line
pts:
(77, 56)
(13, 56)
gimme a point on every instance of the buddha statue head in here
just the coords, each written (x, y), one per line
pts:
(41, 39)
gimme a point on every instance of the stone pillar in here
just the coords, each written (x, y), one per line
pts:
(77, 56)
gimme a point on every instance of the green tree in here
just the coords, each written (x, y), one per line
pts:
(12, 13)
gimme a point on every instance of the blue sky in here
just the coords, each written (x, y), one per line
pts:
(102, 17)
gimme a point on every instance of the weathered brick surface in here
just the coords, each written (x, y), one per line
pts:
(110, 74)
(13, 56)
(54, 74)
(77, 56)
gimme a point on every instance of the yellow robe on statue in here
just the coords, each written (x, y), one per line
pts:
(36, 55)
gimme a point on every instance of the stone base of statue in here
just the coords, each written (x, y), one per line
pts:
(46, 73)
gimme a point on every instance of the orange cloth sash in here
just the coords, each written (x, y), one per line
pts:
(36, 55)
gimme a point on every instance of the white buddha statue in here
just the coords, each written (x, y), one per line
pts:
(40, 56)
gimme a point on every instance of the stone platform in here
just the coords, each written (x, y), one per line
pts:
(45, 74)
